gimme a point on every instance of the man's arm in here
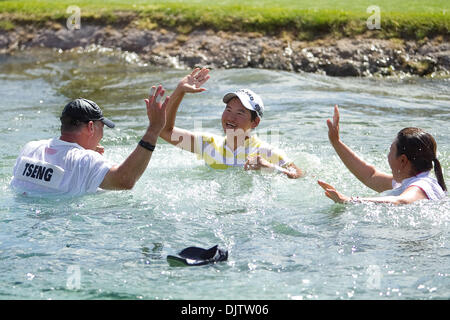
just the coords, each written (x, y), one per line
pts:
(192, 83)
(125, 175)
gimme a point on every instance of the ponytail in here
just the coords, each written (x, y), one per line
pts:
(420, 148)
(439, 175)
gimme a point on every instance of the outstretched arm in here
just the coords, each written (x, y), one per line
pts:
(259, 163)
(125, 175)
(410, 195)
(192, 83)
(365, 172)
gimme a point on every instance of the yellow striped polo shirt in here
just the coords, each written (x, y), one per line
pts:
(216, 154)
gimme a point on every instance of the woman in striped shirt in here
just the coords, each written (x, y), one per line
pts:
(239, 147)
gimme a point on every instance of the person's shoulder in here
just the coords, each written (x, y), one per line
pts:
(425, 180)
(209, 137)
(274, 154)
(31, 146)
(256, 142)
(86, 153)
(35, 143)
(430, 186)
(86, 159)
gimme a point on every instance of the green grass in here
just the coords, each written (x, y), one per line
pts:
(300, 18)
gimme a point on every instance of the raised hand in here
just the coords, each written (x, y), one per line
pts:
(156, 111)
(331, 193)
(193, 82)
(333, 126)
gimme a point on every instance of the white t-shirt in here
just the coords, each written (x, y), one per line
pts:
(56, 167)
(427, 184)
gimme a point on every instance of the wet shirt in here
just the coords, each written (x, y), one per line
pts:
(216, 154)
(56, 167)
(424, 181)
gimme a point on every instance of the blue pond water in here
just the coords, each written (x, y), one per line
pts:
(285, 239)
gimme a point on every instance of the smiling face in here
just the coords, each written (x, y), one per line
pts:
(236, 118)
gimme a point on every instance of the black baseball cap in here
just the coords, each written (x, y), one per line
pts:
(194, 256)
(85, 110)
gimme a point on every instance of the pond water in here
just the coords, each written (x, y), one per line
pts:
(285, 239)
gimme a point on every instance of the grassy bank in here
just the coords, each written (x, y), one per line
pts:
(302, 19)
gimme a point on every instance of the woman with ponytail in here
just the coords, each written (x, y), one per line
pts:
(411, 158)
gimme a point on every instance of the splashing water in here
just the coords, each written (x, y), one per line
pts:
(285, 239)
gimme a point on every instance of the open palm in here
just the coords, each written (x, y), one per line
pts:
(194, 81)
(332, 193)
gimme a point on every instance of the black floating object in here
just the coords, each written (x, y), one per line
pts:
(194, 256)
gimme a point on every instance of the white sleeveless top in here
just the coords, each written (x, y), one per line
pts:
(427, 184)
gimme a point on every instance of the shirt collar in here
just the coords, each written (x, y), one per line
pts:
(419, 175)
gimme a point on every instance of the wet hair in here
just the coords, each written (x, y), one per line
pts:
(420, 148)
(69, 124)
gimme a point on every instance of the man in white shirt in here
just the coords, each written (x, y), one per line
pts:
(73, 164)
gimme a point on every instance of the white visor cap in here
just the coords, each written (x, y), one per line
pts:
(249, 99)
